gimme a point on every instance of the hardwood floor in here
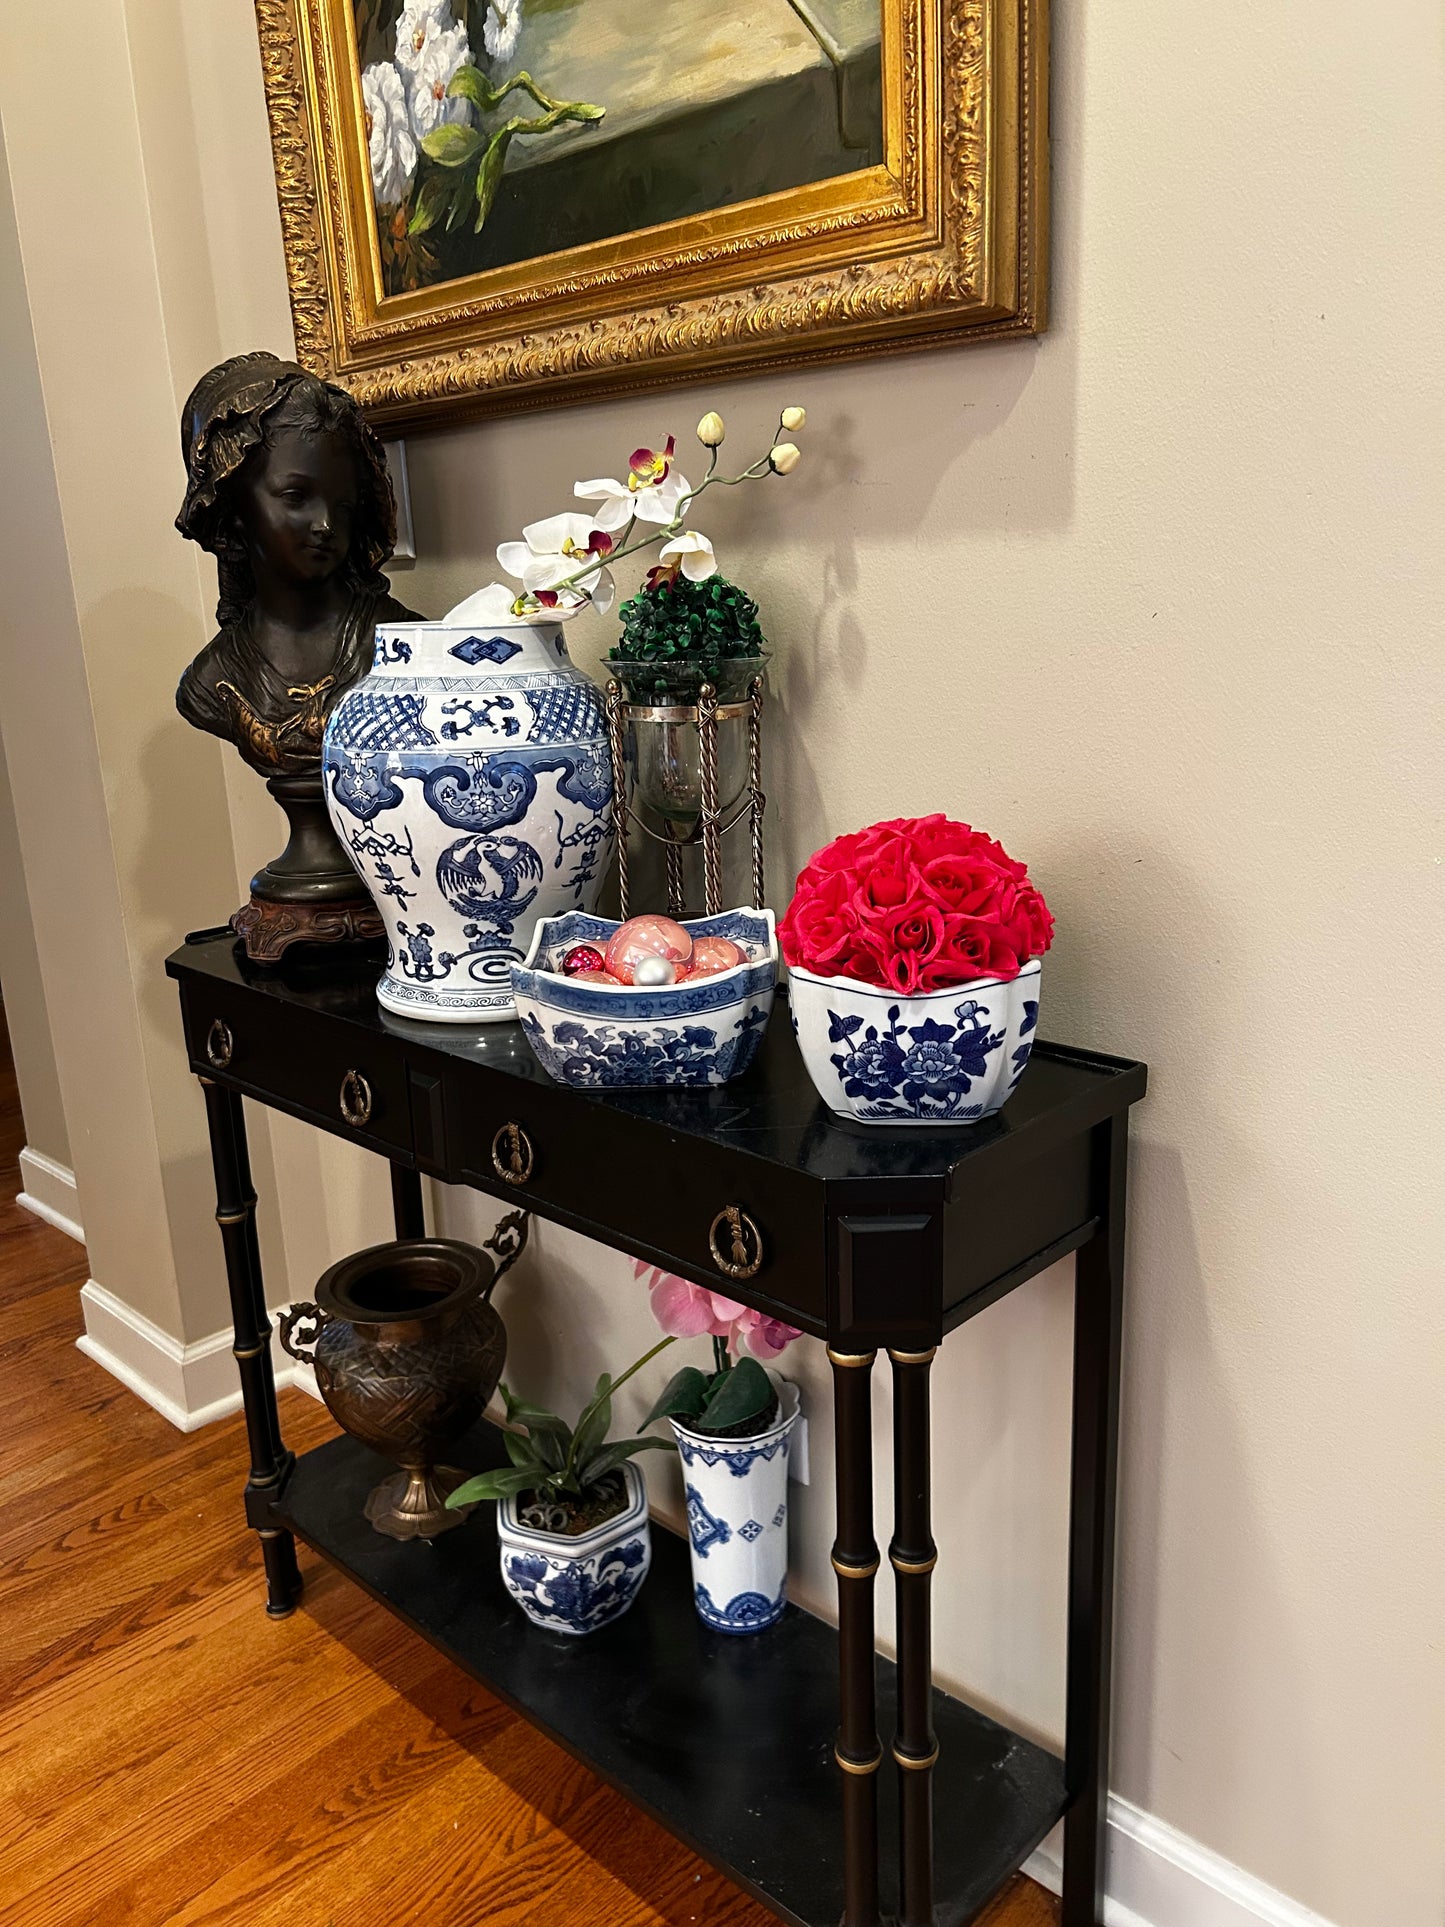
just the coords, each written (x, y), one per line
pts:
(169, 1757)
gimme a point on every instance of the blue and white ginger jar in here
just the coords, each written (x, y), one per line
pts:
(737, 1519)
(470, 778)
(577, 1585)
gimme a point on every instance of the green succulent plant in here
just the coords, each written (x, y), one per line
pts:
(559, 1465)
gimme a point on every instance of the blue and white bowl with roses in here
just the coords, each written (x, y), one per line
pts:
(942, 1057)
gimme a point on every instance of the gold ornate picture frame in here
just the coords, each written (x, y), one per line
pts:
(945, 239)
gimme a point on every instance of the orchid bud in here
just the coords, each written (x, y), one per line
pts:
(784, 458)
(794, 418)
(710, 430)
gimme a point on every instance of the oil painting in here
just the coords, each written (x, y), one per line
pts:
(494, 204)
(499, 130)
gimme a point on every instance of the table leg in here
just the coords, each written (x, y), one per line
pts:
(855, 1561)
(270, 1461)
(913, 1556)
(1098, 1310)
(407, 1205)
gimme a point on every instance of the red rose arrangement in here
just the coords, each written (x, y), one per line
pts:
(920, 903)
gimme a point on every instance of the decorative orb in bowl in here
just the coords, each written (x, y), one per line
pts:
(599, 1036)
(939, 1057)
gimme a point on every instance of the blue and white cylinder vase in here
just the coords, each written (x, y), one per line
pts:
(737, 1520)
(469, 777)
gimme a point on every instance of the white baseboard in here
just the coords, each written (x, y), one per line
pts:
(1159, 1877)
(47, 1189)
(191, 1385)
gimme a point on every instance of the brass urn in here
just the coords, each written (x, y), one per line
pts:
(407, 1352)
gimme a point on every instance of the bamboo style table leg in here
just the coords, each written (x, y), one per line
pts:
(913, 1556)
(270, 1461)
(855, 1561)
(407, 1206)
(1098, 1320)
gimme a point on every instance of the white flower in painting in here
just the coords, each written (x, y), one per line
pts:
(388, 134)
(618, 502)
(431, 105)
(502, 28)
(692, 553)
(555, 549)
(421, 22)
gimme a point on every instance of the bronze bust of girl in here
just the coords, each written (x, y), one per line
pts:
(287, 487)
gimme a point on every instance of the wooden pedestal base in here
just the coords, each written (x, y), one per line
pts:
(268, 929)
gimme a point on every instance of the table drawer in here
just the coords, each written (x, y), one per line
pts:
(655, 1190)
(304, 1062)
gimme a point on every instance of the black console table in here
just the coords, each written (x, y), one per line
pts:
(762, 1753)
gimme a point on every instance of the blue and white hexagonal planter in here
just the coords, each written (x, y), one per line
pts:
(577, 1585)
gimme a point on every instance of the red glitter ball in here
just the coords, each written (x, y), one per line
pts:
(579, 958)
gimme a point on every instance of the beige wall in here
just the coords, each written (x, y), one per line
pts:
(23, 985)
(1155, 599)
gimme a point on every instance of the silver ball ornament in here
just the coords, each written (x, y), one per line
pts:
(650, 973)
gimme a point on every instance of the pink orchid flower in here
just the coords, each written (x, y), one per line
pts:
(692, 1311)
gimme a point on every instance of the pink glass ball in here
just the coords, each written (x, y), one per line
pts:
(582, 958)
(594, 977)
(647, 936)
(712, 954)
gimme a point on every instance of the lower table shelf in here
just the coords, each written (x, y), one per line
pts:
(727, 1741)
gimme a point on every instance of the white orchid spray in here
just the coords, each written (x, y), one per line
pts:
(565, 563)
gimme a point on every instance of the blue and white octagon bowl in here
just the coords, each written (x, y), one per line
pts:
(605, 1036)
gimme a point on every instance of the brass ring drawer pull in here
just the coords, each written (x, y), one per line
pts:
(220, 1045)
(736, 1243)
(512, 1157)
(355, 1099)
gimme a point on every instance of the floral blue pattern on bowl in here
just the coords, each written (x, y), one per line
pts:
(606, 1036)
(577, 1585)
(945, 1057)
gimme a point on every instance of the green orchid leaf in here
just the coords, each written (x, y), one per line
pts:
(492, 1485)
(611, 1456)
(593, 1424)
(520, 1449)
(745, 1392)
(683, 1396)
(451, 145)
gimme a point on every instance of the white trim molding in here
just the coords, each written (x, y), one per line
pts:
(191, 1385)
(47, 1190)
(1159, 1877)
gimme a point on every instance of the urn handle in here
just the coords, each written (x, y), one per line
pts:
(736, 1243)
(355, 1100)
(301, 1326)
(512, 1155)
(220, 1045)
(507, 1243)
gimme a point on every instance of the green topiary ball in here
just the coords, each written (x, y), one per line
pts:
(687, 622)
